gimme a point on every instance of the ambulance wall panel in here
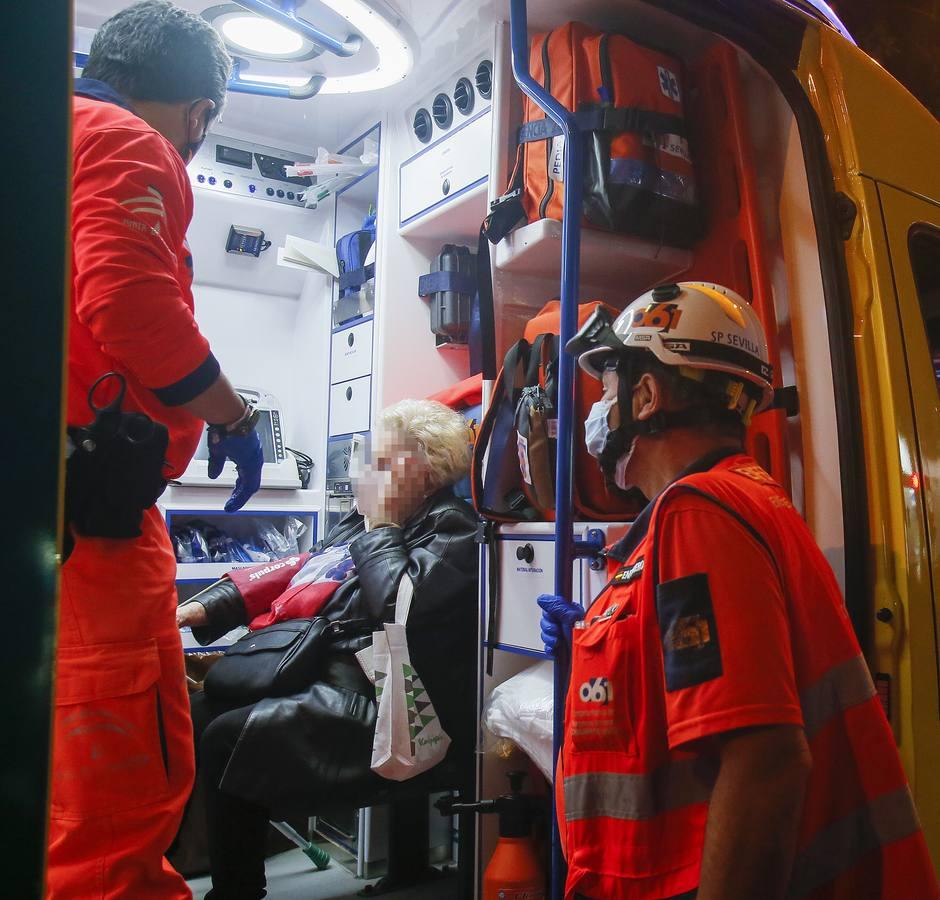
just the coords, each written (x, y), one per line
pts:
(407, 362)
(803, 330)
(252, 336)
(268, 325)
(310, 354)
(216, 213)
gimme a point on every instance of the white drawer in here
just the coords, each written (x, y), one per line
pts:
(445, 169)
(350, 405)
(351, 353)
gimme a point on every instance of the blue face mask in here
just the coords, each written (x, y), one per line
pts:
(596, 428)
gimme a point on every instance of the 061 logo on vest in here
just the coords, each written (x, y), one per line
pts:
(597, 690)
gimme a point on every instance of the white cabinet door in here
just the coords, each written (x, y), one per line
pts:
(446, 169)
(527, 569)
(350, 405)
(351, 354)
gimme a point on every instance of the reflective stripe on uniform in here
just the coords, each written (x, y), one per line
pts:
(842, 687)
(634, 797)
(842, 844)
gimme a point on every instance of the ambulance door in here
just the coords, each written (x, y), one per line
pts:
(912, 230)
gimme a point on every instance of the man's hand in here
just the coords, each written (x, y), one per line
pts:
(558, 619)
(243, 446)
(191, 615)
(754, 814)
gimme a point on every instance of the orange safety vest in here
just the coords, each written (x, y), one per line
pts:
(722, 613)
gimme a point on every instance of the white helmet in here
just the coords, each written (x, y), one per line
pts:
(696, 325)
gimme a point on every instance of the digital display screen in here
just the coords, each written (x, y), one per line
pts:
(265, 431)
(233, 156)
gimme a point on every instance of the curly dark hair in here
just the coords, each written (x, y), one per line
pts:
(154, 50)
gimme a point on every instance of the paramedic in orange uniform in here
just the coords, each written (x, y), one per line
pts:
(122, 756)
(723, 739)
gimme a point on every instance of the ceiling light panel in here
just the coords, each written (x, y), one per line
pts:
(386, 58)
(261, 36)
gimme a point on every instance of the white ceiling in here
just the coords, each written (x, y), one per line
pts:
(444, 33)
(439, 29)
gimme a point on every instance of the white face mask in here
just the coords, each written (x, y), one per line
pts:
(596, 428)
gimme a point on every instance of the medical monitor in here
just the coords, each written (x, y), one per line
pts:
(280, 468)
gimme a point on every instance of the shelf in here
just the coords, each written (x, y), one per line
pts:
(519, 651)
(452, 219)
(209, 500)
(191, 645)
(207, 571)
(618, 262)
(352, 323)
(358, 191)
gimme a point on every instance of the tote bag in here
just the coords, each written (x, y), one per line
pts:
(409, 738)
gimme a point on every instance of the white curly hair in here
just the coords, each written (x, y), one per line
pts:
(440, 433)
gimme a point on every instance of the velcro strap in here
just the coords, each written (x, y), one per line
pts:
(505, 214)
(438, 282)
(614, 119)
(356, 277)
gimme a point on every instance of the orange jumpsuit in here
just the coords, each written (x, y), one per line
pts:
(123, 763)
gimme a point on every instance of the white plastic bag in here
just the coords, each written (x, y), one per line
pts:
(409, 738)
(521, 709)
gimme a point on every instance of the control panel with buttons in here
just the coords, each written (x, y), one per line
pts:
(231, 166)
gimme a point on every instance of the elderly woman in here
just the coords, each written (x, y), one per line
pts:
(296, 754)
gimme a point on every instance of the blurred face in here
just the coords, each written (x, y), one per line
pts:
(396, 480)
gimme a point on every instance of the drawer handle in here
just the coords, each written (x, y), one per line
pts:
(351, 339)
(525, 553)
(349, 393)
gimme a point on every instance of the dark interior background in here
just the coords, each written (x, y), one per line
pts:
(904, 36)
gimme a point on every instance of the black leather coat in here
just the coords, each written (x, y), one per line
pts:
(299, 753)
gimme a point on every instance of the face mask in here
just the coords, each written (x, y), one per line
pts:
(620, 472)
(596, 428)
(192, 147)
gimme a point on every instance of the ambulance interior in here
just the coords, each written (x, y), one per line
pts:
(429, 150)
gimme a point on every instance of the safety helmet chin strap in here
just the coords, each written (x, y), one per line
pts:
(619, 441)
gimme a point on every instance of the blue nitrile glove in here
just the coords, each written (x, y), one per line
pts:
(558, 619)
(243, 447)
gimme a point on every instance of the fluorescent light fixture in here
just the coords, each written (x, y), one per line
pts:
(396, 57)
(285, 80)
(252, 34)
(261, 36)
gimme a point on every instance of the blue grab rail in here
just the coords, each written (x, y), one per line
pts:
(570, 277)
(238, 84)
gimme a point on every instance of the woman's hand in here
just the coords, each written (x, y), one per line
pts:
(191, 615)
